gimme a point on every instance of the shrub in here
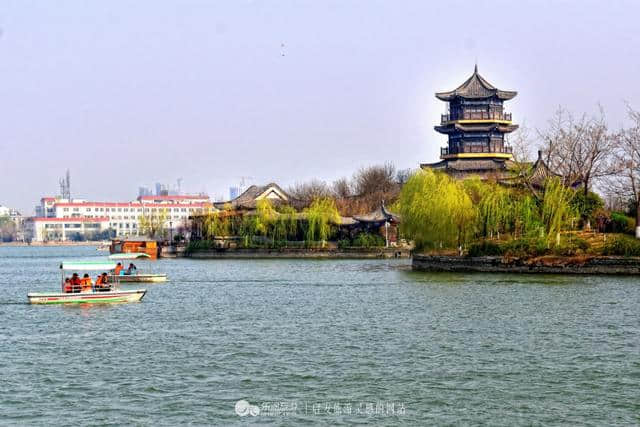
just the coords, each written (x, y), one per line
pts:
(622, 246)
(368, 240)
(620, 223)
(586, 205)
(526, 247)
(344, 243)
(573, 247)
(485, 248)
(199, 245)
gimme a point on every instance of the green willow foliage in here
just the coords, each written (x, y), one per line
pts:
(438, 211)
(217, 224)
(265, 216)
(556, 212)
(320, 215)
(286, 225)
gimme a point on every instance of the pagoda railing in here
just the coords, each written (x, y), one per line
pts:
(444, 118)
(444, 151)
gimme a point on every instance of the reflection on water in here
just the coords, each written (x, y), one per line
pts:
(449, 348)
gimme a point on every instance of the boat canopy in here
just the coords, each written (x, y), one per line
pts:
(130, 255)
(87, 265)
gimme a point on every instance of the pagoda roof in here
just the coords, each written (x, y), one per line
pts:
(476, 87)
(476, 128)
(379, 215)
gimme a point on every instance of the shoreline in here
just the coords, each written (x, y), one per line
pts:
(374, 253)
(52, 244)
(584, 265)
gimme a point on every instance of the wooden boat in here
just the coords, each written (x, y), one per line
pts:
(140, 278)
(113, 295)
(135, 245)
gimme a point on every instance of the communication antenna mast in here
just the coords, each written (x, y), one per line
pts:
(243, 180)
(65, 186)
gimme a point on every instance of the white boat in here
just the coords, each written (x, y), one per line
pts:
(87, 298)
(94, 296)
(139, 278)
(130, 255)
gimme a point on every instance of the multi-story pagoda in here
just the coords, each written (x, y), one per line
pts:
(476, 125)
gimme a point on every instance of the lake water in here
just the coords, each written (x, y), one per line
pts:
(319, 342)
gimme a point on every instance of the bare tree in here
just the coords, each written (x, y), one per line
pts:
(580, 150)
(374, 179)
(403, 176)
(310, 190)
(342, 188)
(626, 183)
(521, 145)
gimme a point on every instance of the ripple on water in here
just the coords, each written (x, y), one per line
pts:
(452, 348)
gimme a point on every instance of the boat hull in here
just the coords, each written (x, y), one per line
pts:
(87, 298)
(139, 278)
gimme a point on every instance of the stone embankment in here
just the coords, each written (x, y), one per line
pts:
(545, 265)
(347, 253)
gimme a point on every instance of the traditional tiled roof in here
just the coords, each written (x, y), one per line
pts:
(379, 215)
(476, 87)
(249, 198)
(469, 165)
(455, 127)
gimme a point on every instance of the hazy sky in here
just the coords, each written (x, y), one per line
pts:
(130, 93)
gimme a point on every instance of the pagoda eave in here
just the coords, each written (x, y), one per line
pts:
(487, 126)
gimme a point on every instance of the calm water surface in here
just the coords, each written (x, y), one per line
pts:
(325, 338)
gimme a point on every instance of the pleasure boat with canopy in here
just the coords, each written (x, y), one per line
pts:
(92, 294)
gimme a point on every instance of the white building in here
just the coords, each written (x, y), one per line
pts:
(17, 219)
(61, 229)
(122, 217)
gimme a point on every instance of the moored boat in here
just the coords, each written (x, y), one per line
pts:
(130, 255)
(140, 278)
(102, 293)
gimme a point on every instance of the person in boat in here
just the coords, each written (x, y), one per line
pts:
(132, 269)
(86, 283)
(67, 288)
(118, 269)
(102, 284)
(76, 284)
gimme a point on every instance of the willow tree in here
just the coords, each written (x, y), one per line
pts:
(247, 228)
(266, 216)
(526, 216)
(286, 225)
(320, 216)
(153, 224)
(556, 212)
(494, 206)
(436, 210)
(216, 224)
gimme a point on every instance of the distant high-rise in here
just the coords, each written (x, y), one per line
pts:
(161, 189)
(144, 191)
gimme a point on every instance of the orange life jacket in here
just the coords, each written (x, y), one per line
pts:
(67, 287)
(86, 283)
(118, 269)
